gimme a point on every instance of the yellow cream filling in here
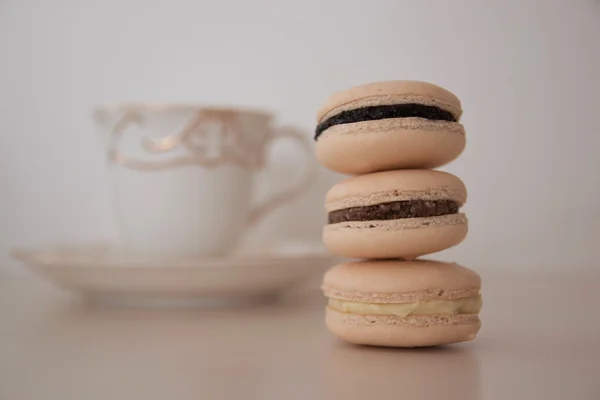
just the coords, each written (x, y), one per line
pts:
(468, 305)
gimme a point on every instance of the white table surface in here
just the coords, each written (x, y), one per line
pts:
(540, 340)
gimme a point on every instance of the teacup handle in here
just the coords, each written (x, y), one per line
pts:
(304, 182)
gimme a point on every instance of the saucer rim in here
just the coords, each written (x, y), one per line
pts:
(37, 256)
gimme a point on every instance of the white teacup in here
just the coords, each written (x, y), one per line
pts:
(183, 175)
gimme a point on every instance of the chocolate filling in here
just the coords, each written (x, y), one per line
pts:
(395, 210)
(373, 113)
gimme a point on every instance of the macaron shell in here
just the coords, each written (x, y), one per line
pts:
(390, 92)
(371, 146)
(366, 147)
(401, 332)
(404, 277)
(395, 238)
(382, 187)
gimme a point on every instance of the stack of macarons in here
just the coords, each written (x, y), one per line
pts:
(396, 208)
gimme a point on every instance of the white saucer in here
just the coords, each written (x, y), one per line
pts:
(108, 276)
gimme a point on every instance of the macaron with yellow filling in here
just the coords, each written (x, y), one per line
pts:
(402, 303)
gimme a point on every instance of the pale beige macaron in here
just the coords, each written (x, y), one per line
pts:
(402, 303)
(395, 214)
(389, 125)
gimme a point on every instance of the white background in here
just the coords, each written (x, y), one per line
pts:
(528, 73)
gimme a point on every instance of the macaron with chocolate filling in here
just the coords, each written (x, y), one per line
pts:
(395, 214)
(389, 125)
(402, 303)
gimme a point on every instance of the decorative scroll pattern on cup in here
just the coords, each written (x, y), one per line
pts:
(210, 138)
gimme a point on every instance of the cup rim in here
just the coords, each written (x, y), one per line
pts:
(169, 105)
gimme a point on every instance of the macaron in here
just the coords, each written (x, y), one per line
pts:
(395, 214)
(402, 303)
(389, 125)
